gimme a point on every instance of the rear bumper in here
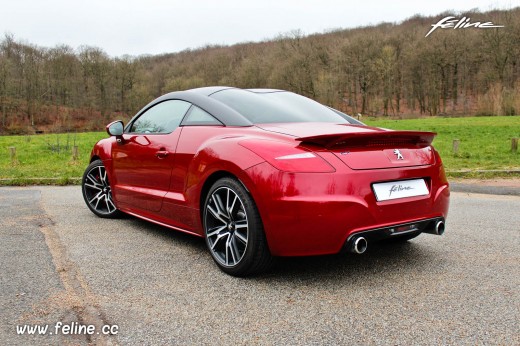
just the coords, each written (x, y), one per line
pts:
(318, 213)
(373, 235)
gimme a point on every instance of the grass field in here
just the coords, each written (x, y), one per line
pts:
(485, 144)
(45, 156)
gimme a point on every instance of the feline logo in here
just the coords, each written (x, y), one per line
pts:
(463, 23)
(398, 188)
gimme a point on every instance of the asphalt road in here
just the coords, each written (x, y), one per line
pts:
(60, 263)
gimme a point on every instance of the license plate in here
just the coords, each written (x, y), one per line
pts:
(400, 189)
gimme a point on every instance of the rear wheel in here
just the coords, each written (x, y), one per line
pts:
(233, 229)
(97, 192)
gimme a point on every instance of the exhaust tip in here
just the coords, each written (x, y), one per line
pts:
(360, 245)
(439, 228)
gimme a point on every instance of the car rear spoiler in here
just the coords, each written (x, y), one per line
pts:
(418, 139)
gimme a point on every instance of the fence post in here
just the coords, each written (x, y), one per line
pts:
(12, 151)
(514, 145)
(75, 154)
(456, 143)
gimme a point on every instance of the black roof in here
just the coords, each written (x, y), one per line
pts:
(208, 91)
(199, 97)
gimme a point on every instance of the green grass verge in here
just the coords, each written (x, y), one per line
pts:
(45, 159)
(485, 144)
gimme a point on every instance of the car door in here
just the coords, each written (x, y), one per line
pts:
(197, 127)
(143, 159)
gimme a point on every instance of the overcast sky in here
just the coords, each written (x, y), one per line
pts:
(164, 26)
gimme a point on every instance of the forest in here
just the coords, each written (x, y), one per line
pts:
(386, 70)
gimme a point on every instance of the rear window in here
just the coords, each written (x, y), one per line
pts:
(279, 107)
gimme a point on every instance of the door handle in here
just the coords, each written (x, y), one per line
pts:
(161, 154)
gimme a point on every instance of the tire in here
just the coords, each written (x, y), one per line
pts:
(97, 192)
(233, 230)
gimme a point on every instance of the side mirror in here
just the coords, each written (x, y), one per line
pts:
(115, 128)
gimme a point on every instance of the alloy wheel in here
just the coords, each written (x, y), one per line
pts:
(96, 188)
(226, 226)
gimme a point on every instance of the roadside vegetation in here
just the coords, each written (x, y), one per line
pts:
(45, 156)
(485, 144)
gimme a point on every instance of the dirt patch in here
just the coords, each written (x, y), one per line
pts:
(77, 299)
(501, 182)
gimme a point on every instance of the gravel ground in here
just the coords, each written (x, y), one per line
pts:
(161, 287)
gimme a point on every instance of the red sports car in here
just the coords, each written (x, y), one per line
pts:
(262, 173)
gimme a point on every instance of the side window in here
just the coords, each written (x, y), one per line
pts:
(197, 116)
(164, 117)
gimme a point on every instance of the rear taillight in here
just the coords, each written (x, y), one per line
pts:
(288, 158)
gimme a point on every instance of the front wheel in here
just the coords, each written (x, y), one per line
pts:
(233, 230)
(97, 192)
